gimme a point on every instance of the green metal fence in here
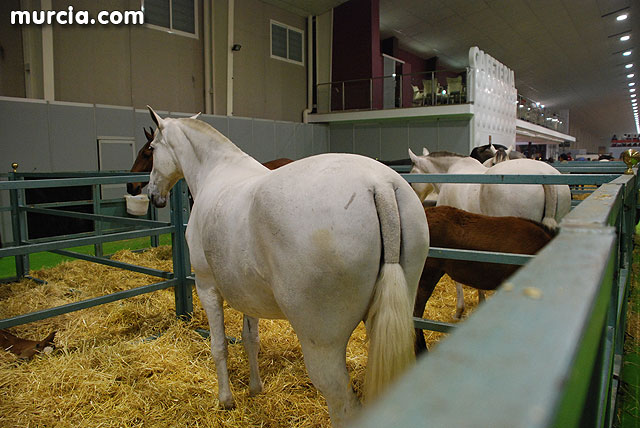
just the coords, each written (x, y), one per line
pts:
(111, 223)
(546, 349)
(543, 351)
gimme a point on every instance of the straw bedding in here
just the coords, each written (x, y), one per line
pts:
(132, 364)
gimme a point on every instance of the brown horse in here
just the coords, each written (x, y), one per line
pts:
(24, 348)
(144, 163)
(451, 227)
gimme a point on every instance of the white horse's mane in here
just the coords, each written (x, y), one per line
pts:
(191, 126)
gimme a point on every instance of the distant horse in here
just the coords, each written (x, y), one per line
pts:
(24, 348)
(325, 242)
(543, 203)
(144, 163)
(482, 153)
(451, 227)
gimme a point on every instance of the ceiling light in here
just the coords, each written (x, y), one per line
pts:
(632, 90)
(630, 75)
(625, 38)
(632, 84)
(626, 53)
(542, 105)
(621, 17)
(633, 95)
(628, 66)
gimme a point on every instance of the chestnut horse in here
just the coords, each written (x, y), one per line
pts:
(144, 163)
(451, 227)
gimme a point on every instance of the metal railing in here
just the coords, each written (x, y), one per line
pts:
(393, 91)
(546, 350)
(125, 228)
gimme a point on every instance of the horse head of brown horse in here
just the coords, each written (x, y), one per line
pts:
(143, 163)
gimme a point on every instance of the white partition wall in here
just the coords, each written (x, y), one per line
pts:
(491, 88)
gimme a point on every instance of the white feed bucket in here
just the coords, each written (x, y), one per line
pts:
(137, 205)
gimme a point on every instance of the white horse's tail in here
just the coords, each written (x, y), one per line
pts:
(550, 206)
(389, 321)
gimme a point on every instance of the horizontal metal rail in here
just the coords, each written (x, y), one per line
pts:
(114, 263)
(479, 256)
(595, 179)
(441, 327)
(101, 217)
(71, 182)
(84, 304)
(76, 242)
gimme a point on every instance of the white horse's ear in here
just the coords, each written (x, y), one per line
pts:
(425, 152)
(510, 149)
(156, 119)
(493, 149)
(195, 116)
(413, 157)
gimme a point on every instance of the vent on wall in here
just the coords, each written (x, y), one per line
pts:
(287, 43)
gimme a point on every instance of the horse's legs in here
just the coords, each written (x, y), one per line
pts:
(212, 303)
(428, 281)
(251, 342)
(459, 301)
(327, 368)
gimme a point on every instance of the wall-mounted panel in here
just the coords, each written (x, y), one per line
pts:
(304, 148)
(341, 138)
(264, 140)
(394, 139)
(454, 136)
(114, 121)
(24, 136)
(241, 133)
(367, 140)
(423, 134)
(320, 139)
(285, 140)
(73, 137)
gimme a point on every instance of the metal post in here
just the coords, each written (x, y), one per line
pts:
(371, 94)
(153, 215)
(343, 96)
(182, 290)
(22, 261)
(97, 224)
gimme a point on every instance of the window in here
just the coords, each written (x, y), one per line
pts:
(176, 16)
(287, 43)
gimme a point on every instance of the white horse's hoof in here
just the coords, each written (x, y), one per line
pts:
(228, 404)
(255, 390)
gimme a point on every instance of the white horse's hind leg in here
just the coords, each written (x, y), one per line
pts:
(251, 342)
(212, 302)
(327, 369)
(459, 301)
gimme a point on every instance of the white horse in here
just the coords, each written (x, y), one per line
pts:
(325, 242)
(542, 203)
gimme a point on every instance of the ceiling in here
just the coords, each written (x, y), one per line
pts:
(566, 54)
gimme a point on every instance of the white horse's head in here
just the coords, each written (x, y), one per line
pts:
(166, 170)
(420, 165)
(499, 155)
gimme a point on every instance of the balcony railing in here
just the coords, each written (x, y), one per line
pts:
(431, 88)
